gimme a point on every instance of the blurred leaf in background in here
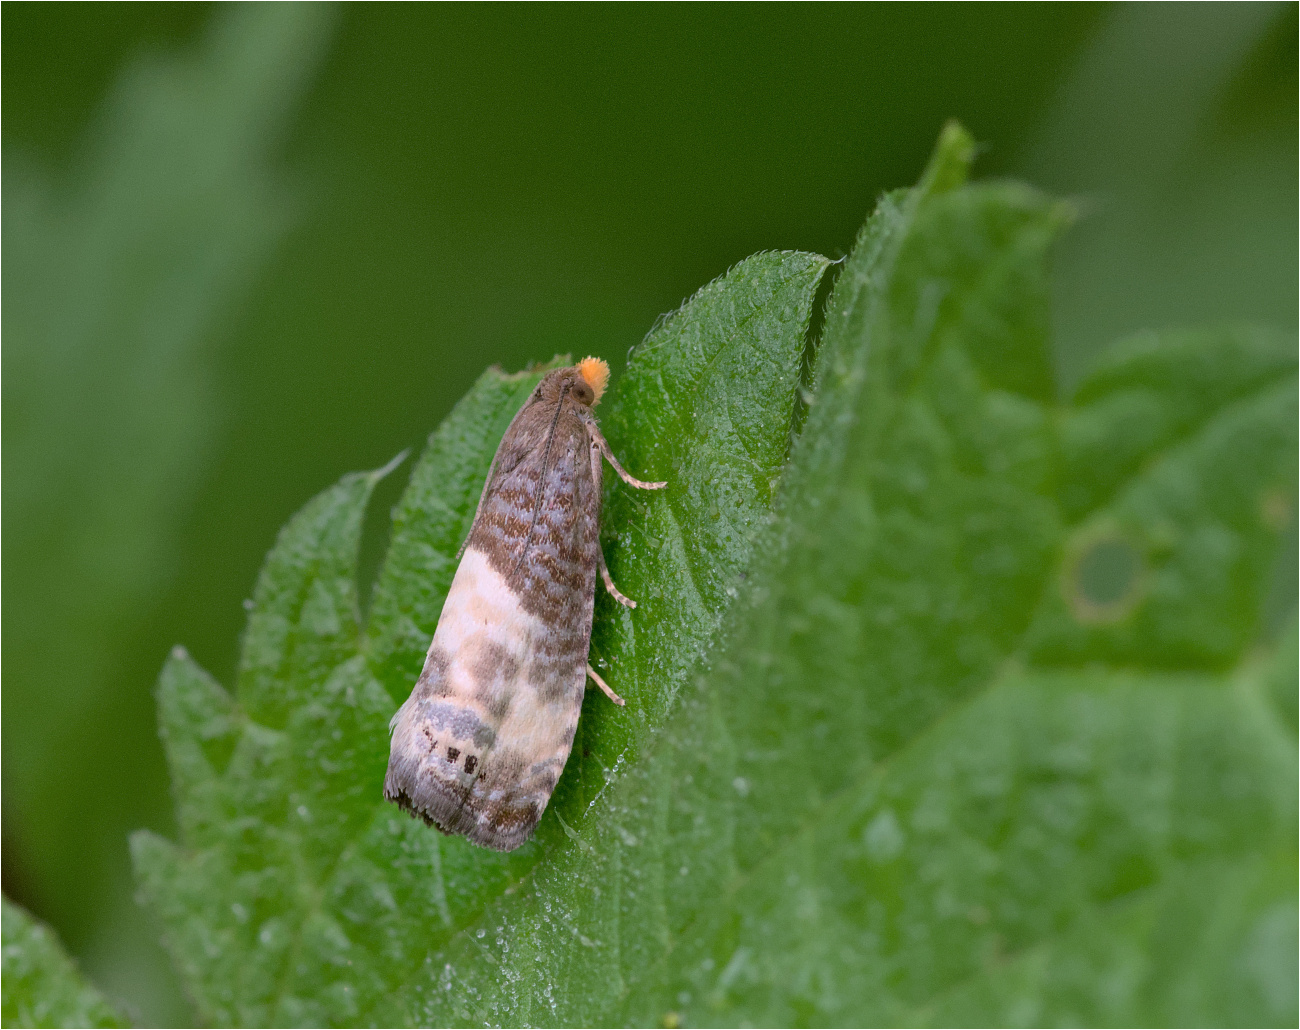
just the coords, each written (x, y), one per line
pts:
(119, 275)
(1177, 132)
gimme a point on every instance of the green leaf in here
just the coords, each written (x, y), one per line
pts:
(910, 736)
(42, 986)
(732, 876)
(337, 894)
(1003, 834)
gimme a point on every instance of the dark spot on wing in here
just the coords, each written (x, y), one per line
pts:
(433, 677)
(494, 701)
(493, 663)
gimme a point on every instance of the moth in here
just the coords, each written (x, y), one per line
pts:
(479, 745)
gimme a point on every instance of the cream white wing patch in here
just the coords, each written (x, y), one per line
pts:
(485, 734)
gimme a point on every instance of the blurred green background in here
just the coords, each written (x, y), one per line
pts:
(249, 248)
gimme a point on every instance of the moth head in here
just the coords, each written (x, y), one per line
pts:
(580, 384)
(593, 374)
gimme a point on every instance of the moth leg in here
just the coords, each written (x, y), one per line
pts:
(614, 591)
(599, 438)
(617, 594)
(604, 686)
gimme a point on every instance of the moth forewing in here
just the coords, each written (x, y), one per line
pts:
(479, 745)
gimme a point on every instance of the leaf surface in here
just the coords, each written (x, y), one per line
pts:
(956, 709)
(42, 986)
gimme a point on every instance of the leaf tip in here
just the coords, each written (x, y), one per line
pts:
(397, 459)
(950, 163)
